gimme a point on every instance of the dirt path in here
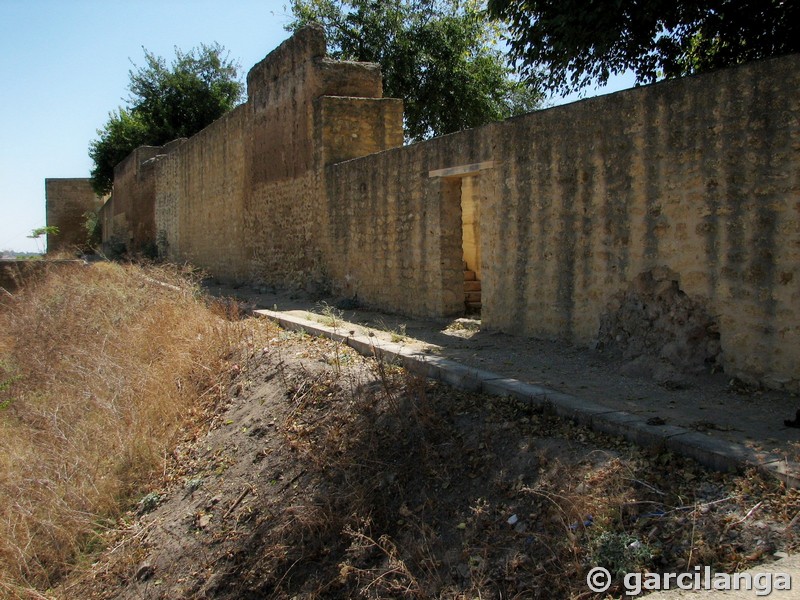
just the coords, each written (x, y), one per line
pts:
(712, 404)
(328, 475)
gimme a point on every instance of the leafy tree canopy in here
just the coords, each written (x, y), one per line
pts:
(165, 103)
(439, 56)
(565, 45)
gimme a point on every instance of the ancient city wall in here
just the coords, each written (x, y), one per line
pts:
(129, 221)
(698, 176)
(687, 189)
(199, 198)
(662, 220)
(242, 198)
(66, 203)
(395, 231)
(307, 110)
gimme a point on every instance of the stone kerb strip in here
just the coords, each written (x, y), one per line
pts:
(717, 454)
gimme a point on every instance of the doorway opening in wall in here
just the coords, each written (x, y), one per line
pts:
(471, 245)
(462, 196)
(463, 191)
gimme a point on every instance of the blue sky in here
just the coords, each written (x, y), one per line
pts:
(64, 66)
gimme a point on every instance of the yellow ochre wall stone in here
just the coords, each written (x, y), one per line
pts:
(308, 183)
(128, 217)
(199, 198)
(698, 175)
(295, 96)
(66, 203)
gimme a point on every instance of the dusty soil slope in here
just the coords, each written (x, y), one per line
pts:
(332, 476)
(715, 404)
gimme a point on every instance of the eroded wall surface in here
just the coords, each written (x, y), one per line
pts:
(243, 198)
(66, 203)
(128, 217)
(698, 176)
(695, 180)
(395, 231)
(199, 198)
(672, 208)
(307, 111)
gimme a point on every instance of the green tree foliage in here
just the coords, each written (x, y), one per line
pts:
(439, 56)
(565, 45)
(40, 231)
(165, 103)
(123, 132)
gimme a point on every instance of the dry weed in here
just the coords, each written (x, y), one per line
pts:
(103, 369)
(331, 476)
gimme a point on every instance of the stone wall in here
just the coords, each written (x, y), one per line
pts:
(696, 177)
(66, 203)
(395, 231)
(128, 218)
(242, 199)
(307, 110)
(670, 208)
(199, 198)
(699, 176)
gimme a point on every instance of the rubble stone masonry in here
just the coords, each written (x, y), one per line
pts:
(690, 186)
(66, 203)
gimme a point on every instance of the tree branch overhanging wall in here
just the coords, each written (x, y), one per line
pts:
(697, 178)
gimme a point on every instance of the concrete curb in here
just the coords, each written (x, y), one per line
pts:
(714, 453)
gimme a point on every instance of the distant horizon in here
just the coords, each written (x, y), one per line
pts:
(5, 253)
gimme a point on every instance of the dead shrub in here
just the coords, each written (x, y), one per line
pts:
(103, 369)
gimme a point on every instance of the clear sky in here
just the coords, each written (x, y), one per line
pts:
(64, 66)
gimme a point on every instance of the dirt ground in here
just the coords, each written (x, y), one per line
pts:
(327, 475)
(714, 404)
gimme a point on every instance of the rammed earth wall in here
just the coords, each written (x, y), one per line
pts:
(67, 202)
(243, 198)
(689, 185)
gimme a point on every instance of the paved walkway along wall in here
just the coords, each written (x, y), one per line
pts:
(663, 220)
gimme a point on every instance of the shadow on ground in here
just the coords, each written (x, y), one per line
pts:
(713, 404)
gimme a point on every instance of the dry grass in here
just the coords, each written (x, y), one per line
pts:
(102, 370)
(416, 483)
(324, 475)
